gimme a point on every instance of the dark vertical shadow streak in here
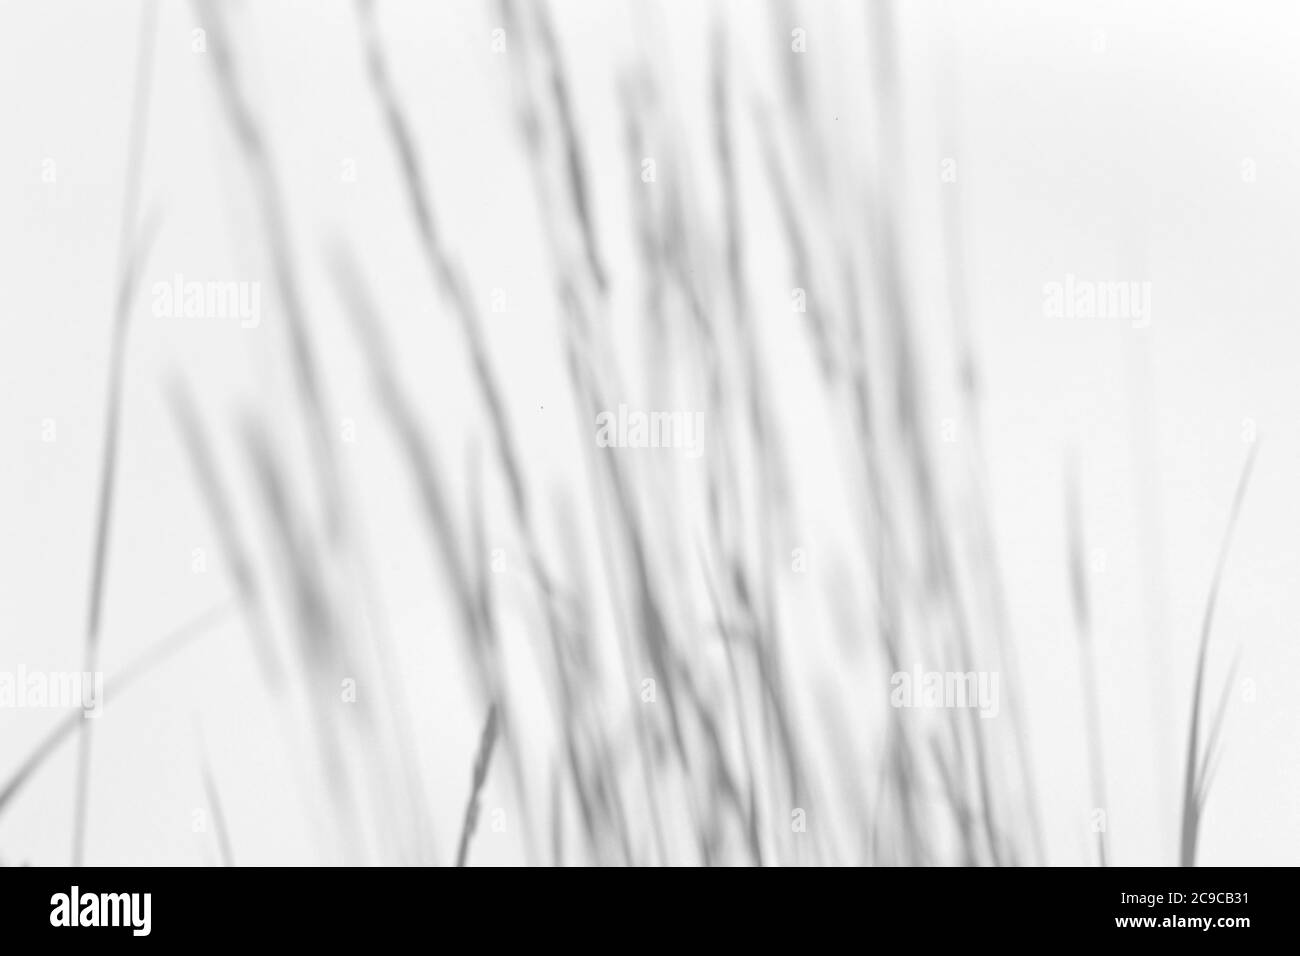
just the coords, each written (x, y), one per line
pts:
(1196, 779)
(203, 465)
(970, 384)
(481, 764)
(214, 803)
(131, 252)
(1083, 626)
(341, 524)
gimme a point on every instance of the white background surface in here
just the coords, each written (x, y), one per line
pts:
(1125, 164)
